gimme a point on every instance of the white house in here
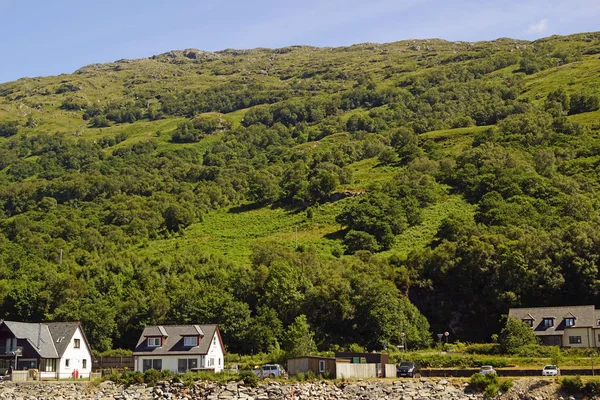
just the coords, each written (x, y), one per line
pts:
(56, 349)
(180, 348)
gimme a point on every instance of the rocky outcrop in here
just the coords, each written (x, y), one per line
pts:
(407, 389)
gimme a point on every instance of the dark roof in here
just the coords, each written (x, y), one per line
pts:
(173, 339)
(584, 316)
(49, 339)
(37, 335)
(316, 357)
(62, 332)
(370, 357)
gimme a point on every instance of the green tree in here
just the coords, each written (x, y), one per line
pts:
(177, 217)
(9, 128)
(516, 334)
(298, 339)
(406, 144)
(359, 240)
(321, 185)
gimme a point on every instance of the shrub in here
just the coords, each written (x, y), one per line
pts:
(300, 376)
(572, 384)
(457, 361)
(113, 353)
(131, 377)
(592, 387)
(535, 350)
(490, 391)
(100, 121)
(506, 385)
(480, 382)
(153, 376)
(482, 348)
(310, 376)
(9, 128)
(248, 378)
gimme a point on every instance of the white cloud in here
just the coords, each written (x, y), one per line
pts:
(539, 27)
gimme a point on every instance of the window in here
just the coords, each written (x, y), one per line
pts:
(153, 342)
(186, 364)
(11, 344)
(569, 321)
(190, 341)
(321, 365)
(67, 363)
(211, 362)
(27, 364)
(528, 321)
(574, 339)
(598, 322)
(76, 343)
(152, 364)
(48, 365)
(214, 341)
(84, 363)
(548, 322)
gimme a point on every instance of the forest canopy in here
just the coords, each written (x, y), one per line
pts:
(355, 193)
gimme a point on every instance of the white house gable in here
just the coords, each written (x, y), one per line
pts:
(77, 357)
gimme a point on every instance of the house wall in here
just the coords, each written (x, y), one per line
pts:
(171, 362)
(168, 362)
(330, 367)
(596, 333)
(586, 334)
(297, 365)
(215, 358)
(75, 357)
(305, 364)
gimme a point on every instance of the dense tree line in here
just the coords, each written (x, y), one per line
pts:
(531, 176)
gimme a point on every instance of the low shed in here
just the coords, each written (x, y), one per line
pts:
(324, 366)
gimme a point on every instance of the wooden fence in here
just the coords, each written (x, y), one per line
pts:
(124, 362)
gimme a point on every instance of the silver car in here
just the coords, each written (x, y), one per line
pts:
(550, 370)
(487, 369)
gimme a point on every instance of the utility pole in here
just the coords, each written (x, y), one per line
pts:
(60, 258)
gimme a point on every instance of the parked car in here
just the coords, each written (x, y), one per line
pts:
(269, 371)
(408, 369)
(487, 369)
(550, 370)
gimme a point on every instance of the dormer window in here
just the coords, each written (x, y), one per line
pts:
(548, 322)
(569, 321)
(190, 341)
(528, 321)
(153, 342)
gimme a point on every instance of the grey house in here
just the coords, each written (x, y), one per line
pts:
(565, 326)
(55, 349)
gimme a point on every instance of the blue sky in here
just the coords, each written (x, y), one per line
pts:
(49, 37)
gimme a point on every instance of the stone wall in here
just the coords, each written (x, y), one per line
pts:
(401, 389)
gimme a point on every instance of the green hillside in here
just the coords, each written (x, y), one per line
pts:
(418, 186)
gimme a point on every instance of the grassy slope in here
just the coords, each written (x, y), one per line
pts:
(232, 233)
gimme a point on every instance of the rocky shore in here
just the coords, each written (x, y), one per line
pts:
(407, 389)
